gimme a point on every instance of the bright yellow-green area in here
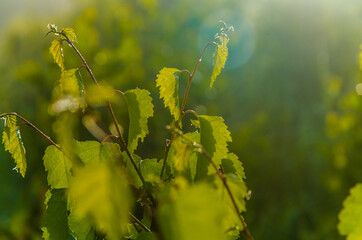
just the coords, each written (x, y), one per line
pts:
(167, 81)
(350, 218)
(220, 56)
(92, 193)
(11, 139)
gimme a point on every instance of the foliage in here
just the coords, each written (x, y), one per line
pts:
(97, 189)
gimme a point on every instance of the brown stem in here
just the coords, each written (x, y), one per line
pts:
(32, 126)
(108, 137)
(139, 222)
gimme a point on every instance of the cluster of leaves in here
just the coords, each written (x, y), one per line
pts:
(100, 189)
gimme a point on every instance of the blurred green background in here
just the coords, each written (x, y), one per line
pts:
(287, 94)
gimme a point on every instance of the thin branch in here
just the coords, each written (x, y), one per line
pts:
(139, 222)
(192, 112)
(32, 126)
(191, 76)
(120, 136)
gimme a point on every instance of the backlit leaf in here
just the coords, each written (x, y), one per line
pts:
(233, 165)
(101, 192)
(55, 223)
(350, 218)
(95, 152)
(167, 81)
(191, 213)
(13, 143)
(70, 34)
(58, 167)
(214, 137)
(140, 108)
(71, 86)
(220, 56)
(56, 51)
(183, 150)
(150, 169)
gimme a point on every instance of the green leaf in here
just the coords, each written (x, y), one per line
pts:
(13, 143)
(70, 34)
(183, 150)
(191, 213)
(151, 169)
(101, 192)
(81, 228)
(214, 137)
(56, 51)
(239, 190)
(167, 81)
(350, 218)
(58, 167)
(55, 223)
(233, 165)
(140, 108)
(220, 56)
(94, 152)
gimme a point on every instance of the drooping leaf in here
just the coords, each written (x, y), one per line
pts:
(12, 141)
(101, 192)
(350, 218)
(56, 51)
(55, 223)
(191, 213)
(94, 152)
(58, 167)
(167, 81)
(70, 34)
(220, 56)
(80, 228)
(233, 165)
(140, 108)
(214, 137)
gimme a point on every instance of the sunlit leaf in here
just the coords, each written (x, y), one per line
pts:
(94, 152)
(55, 223)
(70, 34)
(350, 218)
(220, 56)
(12, 141)
(71, 86)
(101, 192)
(233, 165)
(167, 81)
(140, 108)
(58, 167)
(214, 137)
(183, 150)
(56, 51)
(191, 213)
